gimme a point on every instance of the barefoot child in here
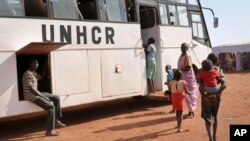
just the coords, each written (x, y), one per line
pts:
(170, 76)
(178, 89)
(210, 77)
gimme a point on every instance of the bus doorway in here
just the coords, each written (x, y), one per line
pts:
(40, 51)
(150, 28)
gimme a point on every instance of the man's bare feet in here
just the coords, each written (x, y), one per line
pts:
(60, 124)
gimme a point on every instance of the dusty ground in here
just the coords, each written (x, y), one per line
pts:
(138, 120)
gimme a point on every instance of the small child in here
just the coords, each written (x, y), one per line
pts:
(169, 72)
(178, 89)
(210, 78)
(170, 76)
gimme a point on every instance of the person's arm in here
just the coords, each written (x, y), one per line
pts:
(185, 88)
(200, 81)
(168, 79)
(37, 93)
(169, 85)
(38, 76)
(186, 68)
(219, 77)
(149, 49)
(145, 46)
(187, 63)
(33, 89)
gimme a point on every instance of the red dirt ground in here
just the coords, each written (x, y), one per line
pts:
(138, 120)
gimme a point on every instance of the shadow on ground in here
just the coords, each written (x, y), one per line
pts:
(27, 128)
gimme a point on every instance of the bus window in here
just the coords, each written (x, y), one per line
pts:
(163, 14)
(182, 15)
(88, 9)
(178, 15)
(36, 8)
(131, 12)
(146, 16)
(102, 10)
(193, 2)
(116, 10)
(197, 26)
(179, 1)
(11, 8)
(173, 15)
(65, 9)
(199, 33)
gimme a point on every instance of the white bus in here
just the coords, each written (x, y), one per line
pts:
(91, 50)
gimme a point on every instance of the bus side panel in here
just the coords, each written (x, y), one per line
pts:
(8, 83)
(71, 74)
(75, 68)
(172, 38)
(175, 36)
(121, 72)
(10, 104)
(199, 53)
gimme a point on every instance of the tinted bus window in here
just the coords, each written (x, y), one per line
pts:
(102, 8)
(11, 8)
(131, 10)
(88, 9)
(147, 16)
(66, 9)
(178, 15)
(179, 1)
(193, 2)
(182, 15)
(197, 26)
(36, 8)
(173, 15)
(116, 10)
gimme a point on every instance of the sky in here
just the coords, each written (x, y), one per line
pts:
(234, 21)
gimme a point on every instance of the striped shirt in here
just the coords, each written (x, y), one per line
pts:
(29, 80)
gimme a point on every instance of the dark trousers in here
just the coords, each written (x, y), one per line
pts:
(53, 109)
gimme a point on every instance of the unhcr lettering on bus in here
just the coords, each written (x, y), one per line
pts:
(67, 31)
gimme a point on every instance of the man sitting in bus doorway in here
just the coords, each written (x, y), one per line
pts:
(47, 101)
(150, 50)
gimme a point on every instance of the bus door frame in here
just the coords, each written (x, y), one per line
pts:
(155, 33)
